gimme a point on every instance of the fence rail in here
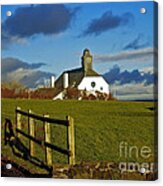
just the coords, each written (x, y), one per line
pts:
(47, 122)
(42, 118)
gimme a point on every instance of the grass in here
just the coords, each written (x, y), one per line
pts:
(99, 127)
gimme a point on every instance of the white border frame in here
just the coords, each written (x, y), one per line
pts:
(43, 181)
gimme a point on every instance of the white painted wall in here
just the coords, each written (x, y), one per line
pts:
(65, 80)
(99, 83)
(59, 96)
(52, 82)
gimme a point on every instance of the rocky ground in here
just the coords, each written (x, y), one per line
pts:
(84, 170)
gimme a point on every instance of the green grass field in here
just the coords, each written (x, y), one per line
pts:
(99, 127)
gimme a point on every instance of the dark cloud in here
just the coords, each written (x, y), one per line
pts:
(23, 72)
(40, 19)
(132, 85)
(126, 77)
(136, 43)
(107, 22)
(12, 64)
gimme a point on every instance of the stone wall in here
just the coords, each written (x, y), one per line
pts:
(98, 170)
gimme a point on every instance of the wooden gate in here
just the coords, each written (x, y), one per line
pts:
(47, 122)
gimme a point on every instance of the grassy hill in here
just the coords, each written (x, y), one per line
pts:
(99, 127)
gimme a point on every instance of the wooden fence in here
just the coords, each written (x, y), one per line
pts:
(47, 122)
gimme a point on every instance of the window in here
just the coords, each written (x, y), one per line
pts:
(101, 88)
(93, 84)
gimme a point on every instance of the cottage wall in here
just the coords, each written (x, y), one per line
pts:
(94, 84)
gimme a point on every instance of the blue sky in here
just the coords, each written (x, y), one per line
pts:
(107, 29)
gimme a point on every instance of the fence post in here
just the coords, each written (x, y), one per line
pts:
(31, 132)
(18, 121)
(71, 140)
(47, 134)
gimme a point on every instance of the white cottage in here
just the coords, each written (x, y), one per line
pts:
(83, 78)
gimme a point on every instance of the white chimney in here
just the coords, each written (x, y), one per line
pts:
(52, 82)
(65, 80)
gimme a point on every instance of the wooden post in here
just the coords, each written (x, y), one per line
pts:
(71, 140)
(48, 151)
(18, 121)
(31, 132)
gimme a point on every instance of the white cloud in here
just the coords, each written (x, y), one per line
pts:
(20, 73)
(134, 91)
(139, 55)
(150, 70)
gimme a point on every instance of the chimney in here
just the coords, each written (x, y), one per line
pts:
(86, 60)
(65, 80)
(52, 82)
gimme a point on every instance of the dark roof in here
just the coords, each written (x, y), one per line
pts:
(73, 70)
(75, 76)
